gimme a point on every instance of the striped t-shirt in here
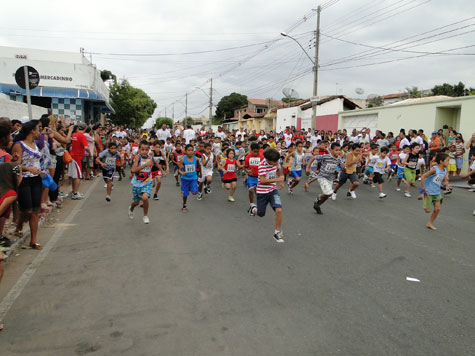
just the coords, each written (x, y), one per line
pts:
(269, 172)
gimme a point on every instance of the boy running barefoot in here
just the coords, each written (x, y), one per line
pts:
(431, 182)
(294, 159)
(328, 164)
(189, 177)
(410, 163)
(269, 174)
(107, 160)
(208, 162)
(352, 160)
(142, 182)
(251, 164)
(381, 164)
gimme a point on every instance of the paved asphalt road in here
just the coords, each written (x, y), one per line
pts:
(213, 281)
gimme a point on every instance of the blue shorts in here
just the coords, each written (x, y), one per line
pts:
(188, 185)
(252, 182)
(296, 174)
(459, 162)
(137, 192)
(221, 173)
(400, 172)
(272, 198)
(393, 167)
(369, 171)
(108, 174)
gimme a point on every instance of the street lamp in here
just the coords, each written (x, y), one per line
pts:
(286, 35)
(210, 96)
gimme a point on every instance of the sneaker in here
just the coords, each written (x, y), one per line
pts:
(81, 195)
(5, 241)
(373, 185)
(108, 197)
(353, 194)
(200, 196)
(62, 195)
(472, 189)
(398, 189)
(278, 236)
(146, 220)
(184, 209)
(222, 185)
(131, 213)
(382, 195)
(105, 185)
(291, 191)
(390, 178)
(317, 207)
(254, 211)
(76, 196)
(407, 194)
(348, 194)
(448, 192)
(334, 196)
(155, 197)
(251, 209)
(231, 199)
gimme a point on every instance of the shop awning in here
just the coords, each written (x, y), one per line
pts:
(51, 92)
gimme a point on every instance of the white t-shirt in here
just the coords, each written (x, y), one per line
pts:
(243, 133)
(120, 134)
(363, 139)
(163, 134)
(404, 142)
(417, 139)
(380, 164)
(189, 135)
(354, 139)
(402, 156)
(221, 135)
(177, 132)
(288, 139)
(313, 140)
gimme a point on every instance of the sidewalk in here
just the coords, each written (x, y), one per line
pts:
(49, 221)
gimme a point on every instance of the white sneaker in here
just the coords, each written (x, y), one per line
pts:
(334, 196)
(382, 195)
(398, 189)
(105, 185)
(146, 220)
(108, 197)
(131, 213)
(407, 194)
(353, 194)
(77, 196)
(373, 185)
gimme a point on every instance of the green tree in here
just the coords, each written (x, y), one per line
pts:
(413, 92)
(452, 90)
(107, 74)
(228, 104)
(376, 101)
(163, 120)
(132, 106)
(187, 121)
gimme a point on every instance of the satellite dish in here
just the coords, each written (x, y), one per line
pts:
(290, 93)
(359, 91)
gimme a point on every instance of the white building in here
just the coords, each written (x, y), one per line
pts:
(300, 115)
(69, 84)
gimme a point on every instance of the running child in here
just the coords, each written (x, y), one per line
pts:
(393, 154)
(142, 180)
(251, 164)
(430, 183)
(157, 169)
(107, 160)
(410, 163)
(189, 177)
(229, 173)
(328, 164)
(381, 164)
(266, 191)
(400, 165)
(312, 169)
(353, 158)
(177, 156)
(208, 162)
(296, 159)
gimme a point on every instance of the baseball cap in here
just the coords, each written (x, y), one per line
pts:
(434, 132)
(82, 125)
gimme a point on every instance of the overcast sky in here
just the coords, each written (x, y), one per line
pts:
(117, 30)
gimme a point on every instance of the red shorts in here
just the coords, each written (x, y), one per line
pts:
(10, 193)
(156, 174)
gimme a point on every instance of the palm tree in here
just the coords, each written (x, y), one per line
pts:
(413, 92)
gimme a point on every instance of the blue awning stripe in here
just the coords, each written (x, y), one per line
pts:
(53, 92)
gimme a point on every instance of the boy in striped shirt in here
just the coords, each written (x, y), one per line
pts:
(269, 174)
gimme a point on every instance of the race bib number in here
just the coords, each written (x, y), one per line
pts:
(271, 175)
(189, 168)
(330, 167)
(438, 179)
(254, 161)
(180, 158)
(231, 168)
(110, 161)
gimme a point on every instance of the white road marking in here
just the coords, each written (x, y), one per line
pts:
(15, 292)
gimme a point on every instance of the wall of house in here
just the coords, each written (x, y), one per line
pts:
(16, 110)
(458, 113)
(287, 117)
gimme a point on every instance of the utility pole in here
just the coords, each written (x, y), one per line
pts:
(211, 104)
(315, 71)
(173, 112)
(186, 105)
(165, 112)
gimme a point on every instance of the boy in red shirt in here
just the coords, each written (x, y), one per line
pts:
(78, 149)
(251, 163)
